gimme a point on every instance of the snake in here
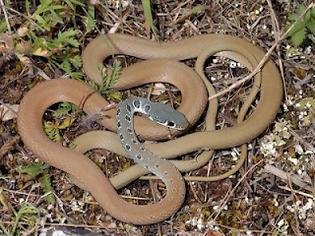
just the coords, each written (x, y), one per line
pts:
(166, 116)
(35, 102)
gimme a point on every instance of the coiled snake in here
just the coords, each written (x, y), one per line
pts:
(161, 69)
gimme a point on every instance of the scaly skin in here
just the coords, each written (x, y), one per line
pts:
(85, 171)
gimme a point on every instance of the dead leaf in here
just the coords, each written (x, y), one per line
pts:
(8, 111)
(158, 89)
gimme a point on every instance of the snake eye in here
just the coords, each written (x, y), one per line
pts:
(170, 124)
(147, 108)
(136, 103)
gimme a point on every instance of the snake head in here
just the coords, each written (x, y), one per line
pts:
(167, 116)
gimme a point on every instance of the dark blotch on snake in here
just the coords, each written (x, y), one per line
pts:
(128, 118)
(128, 147)
(134, 141)
(147, 108)
(139, 157)
(129, 130)
(128, 108)
(118, 111)
(121, 136)
(118, 124)
(136, 103)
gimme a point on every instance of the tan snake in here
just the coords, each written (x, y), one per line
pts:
(86, 172)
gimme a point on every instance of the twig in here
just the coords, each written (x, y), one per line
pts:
(6, 16)
(284, 176)
(276, 28)
(8, 145)
(302, 140)
(264, 59)
(297, 192)
(234, 189)
(20, 14)
(8, 107)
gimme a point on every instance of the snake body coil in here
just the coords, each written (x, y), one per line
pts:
(38, 99)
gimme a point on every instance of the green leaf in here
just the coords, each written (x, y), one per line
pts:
(148, 15)
(73, 3)
(34, 169)
(90, 18)
(197, 9)
(76, 75)
(52, 131)
(311, 25)
(66, 66)
(3, 26)
(76, 61)
(115, 73)
(42, 22)
(64, 109)
(301, 26)
(298, 26)
(67, 37)
(66, 123)
(23, 212)
(115, 95)
(46, 185)
(298, 37)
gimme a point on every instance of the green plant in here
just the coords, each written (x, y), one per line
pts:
(64, 109)
(63, 116)
(108, 80)
(302, 27)
(3, 26)
(37, 169)
(28, 213)
(61, 49)
(148, 15)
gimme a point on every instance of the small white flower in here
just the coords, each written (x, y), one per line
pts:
(308, 50)
(280, 223)
(298, 149)
(293, 160)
